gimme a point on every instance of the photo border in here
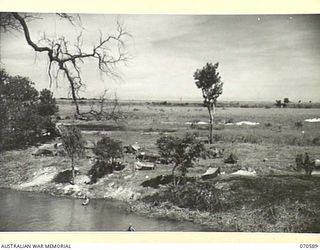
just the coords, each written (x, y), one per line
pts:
(217, 7)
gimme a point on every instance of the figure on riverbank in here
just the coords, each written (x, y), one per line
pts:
(131, 228)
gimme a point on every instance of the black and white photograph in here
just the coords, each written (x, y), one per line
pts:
(159, 122)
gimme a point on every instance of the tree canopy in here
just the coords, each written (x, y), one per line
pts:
(181, 151)
(209, 81)
(21, 120)
(108, 149)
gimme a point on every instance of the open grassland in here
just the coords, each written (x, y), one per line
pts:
(276, 199)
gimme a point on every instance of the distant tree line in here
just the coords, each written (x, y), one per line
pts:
(25, 114)
(287, 103)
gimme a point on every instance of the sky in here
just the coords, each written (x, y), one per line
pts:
(261, 57)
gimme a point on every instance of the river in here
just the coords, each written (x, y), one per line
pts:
(27, 211)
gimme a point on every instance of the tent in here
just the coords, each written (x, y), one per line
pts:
(211, 173)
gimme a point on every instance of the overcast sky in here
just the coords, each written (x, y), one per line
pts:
(262, 58)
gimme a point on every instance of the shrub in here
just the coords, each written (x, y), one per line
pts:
(316, 140)
(47, 105)
(98, 170)
(268, 124)
(181, 151)
(108, 150)
(304, 162)
(63, 177)
(230, 120)
(298, 124)
(102, 168)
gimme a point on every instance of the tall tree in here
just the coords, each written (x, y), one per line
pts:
(209, 81)
(73, 144)
(66, 57)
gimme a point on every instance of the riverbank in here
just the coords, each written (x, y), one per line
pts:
(265, 203)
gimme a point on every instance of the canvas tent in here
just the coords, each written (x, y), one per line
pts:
(211, 173)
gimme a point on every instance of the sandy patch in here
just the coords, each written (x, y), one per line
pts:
(244, 123)
(41, 178)
(312, 120)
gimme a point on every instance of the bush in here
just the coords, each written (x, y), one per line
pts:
(108, 150)
(230, 120)
(298, 124)
(47, 105)
(102, 168)
(316, 140)
(304, 162)
(63, 177)
(181, 151)
(23, 120)
(268, 124)
(98, 170)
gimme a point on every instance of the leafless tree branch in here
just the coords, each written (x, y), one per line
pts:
(66, 57)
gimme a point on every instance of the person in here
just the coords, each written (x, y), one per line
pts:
(131, 228)
(86, 202)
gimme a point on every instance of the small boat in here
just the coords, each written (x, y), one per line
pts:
(86, 202)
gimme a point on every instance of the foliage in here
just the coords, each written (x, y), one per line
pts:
(73, 144)
(108, 149)
(278, 103)
(63, 177)
(47, 105)
(72, 141)
(304, 162)
(266, 203)
(21, 123)
(209, 81)
(102, 168)
(98, 170)
(181, 151)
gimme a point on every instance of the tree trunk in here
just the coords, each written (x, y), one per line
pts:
(173, 175)
(75, 100)
(211, 110)
(72, 170)
(73, 90)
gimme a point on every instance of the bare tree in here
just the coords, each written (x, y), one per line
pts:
(105, 108)
(66, 58)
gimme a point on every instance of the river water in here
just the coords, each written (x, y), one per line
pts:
(26, 211)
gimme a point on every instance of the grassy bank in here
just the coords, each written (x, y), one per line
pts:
(252, 204)
(265, 203)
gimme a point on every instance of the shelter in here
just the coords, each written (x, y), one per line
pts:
(211, 173)
(144, 166)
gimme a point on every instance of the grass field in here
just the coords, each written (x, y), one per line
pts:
(285, 203)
